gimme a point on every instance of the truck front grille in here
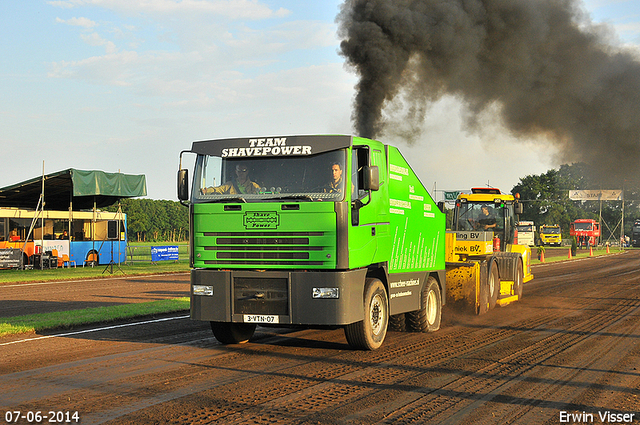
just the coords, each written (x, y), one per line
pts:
(265, 248)
(261, 296)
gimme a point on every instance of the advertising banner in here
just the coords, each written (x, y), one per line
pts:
(451, 196)
(595, 195)
(164, 253)
(62, 246)
(10, 258)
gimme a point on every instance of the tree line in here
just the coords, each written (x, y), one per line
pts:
(151, 220)
(546, 200)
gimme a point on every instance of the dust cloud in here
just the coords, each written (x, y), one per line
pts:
(541, 68)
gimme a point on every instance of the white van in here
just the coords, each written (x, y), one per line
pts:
(526, 233)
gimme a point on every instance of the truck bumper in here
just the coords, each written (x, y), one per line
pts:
(277, 297)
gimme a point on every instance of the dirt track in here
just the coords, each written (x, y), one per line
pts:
(28, 298)
(570, 346)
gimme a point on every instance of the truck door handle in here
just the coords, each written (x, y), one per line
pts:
(373, 231)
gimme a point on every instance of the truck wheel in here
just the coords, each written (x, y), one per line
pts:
(397, 323)
(493, 285)
(428, 318)
(518, 284)
(369, 333)
(92, 258)
(232, 333)
(484, 297)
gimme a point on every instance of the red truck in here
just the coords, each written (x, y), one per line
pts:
(586, 231)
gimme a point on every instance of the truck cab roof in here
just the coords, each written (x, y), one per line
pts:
(485, 197)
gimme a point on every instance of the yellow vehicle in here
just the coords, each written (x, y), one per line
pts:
(485, 265)
(551, 234)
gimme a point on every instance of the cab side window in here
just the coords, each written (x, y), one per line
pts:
(359, 160)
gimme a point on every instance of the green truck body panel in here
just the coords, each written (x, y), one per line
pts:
(416, 222)
(259, 256)
(265, 235)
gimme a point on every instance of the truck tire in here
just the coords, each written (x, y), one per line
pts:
(518, 284)
(428, 318)
(493, 284)
(369, 333)
(92, 258)
(484, 297)
(397, 323)
(232, 333)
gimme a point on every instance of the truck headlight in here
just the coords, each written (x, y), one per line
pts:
(326, 293)
(202, 290)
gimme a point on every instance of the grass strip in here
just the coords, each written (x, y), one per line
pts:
(581, 254)
(65, 319)
(135, 269)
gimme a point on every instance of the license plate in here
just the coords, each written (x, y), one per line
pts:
(260, 318)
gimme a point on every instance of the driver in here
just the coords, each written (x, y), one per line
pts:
(336, 184)
(240, 185)
(486, 221)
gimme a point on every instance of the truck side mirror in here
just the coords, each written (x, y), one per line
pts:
(371, 178)
(518, 208)
(441, 206)
(183, 185)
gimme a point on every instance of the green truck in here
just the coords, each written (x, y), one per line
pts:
(321, 231)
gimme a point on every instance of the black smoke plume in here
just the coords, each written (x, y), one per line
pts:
(542, 64)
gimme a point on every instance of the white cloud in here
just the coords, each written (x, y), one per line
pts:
(111, 69)
(305, 34)
(203, 64)
(94, 39)
(61, 4)
(630, 29)
(78, 22)
(231, 9)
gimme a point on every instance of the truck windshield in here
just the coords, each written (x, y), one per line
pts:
(289, 178)
(525, 228)
(583, 226)
(480, 216)
(551, 230)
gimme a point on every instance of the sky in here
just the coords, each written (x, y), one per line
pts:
(125, 86)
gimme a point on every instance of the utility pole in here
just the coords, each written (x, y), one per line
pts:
(622, 238)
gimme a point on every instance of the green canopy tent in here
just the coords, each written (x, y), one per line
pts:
(76, 189)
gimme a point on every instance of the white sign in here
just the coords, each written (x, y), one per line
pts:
(595, 195)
